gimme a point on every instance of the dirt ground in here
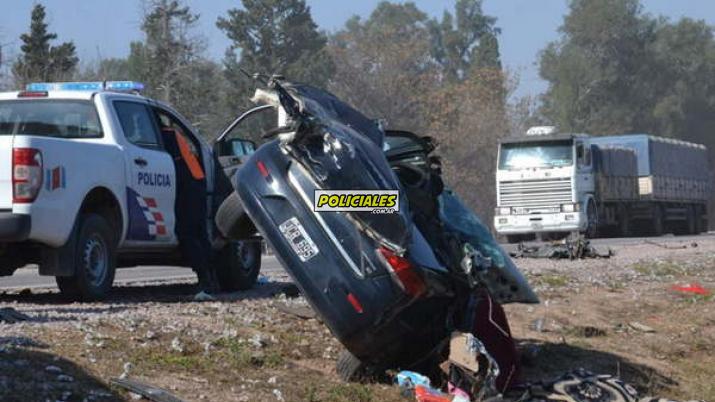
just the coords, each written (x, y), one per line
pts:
(616, 316)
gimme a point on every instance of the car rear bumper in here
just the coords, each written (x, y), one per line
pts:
(14, 227)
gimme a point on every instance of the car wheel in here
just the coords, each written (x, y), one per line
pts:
(238, 265)
(232, 221)
(95, 261)
(350, 368)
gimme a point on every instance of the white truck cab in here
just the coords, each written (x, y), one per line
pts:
(544, 181)
(86, 185)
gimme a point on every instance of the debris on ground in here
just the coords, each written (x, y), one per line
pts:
(582, 385)
(641, 327)
(671, 247)
(11, 316)
(416, 385)
(304, 312)
(571, 249)
(147, 391)
(693, 288)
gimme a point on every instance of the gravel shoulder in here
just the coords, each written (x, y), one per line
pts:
(617, 316)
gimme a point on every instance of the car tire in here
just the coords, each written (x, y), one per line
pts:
(94, 259)
(351, 369)
(232, 221)
(238, 265)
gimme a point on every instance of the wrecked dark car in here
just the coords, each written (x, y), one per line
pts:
(395, 288)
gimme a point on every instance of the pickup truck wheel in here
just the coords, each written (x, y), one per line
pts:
(238, 265)
(232, 221)
(95, 261)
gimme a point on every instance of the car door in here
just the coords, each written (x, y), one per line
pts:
(237, 142)
(584, 169)
(151, 183)
(169, 120)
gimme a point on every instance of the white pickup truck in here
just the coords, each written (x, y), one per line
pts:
(86, 186)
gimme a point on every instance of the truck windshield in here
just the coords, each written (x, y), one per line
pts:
(524, 155)
(49, 118)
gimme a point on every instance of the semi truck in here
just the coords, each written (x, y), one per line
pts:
(553, 184)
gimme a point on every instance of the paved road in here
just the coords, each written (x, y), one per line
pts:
(28, 278)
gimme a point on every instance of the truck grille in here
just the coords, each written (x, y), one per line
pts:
(535, 195)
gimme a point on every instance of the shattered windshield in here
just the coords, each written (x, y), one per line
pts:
(344, 152)
(524, 155)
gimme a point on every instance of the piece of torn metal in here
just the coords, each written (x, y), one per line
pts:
(148, 391)
(10, 315)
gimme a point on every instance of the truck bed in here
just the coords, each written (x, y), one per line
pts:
(668, 170)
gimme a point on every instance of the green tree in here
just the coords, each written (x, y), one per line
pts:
(272, 37)
(464, 40)
(617, 70)
(171, 63)
(40, 60)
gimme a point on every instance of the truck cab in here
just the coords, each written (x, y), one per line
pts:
(543, 184)
(87, 185)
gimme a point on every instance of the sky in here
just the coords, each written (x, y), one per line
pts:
(104, 28)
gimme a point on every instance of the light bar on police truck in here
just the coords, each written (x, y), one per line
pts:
(86, 86)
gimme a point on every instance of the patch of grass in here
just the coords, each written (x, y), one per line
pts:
(324, 391)
(552, 280)
(699, 377)
(695, 299)
(173, 360)
(240, 355)
(349, 393)
(659, 268)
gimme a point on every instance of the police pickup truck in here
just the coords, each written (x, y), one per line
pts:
(86, 186)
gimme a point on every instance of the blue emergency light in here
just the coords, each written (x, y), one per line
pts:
(123, 86)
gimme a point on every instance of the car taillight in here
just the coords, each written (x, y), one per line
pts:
(404, 272)
(26, 174)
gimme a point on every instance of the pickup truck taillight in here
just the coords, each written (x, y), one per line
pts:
(403, 272)
(26, 174)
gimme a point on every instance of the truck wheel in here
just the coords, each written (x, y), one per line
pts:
(624, 221)
(232, 221)
(700, 222)
(95, 259)
(657, 221)
(238, 265)
(350, 368)
(592, 219)
(692, 220)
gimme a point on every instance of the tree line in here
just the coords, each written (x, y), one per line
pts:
(614, 69)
